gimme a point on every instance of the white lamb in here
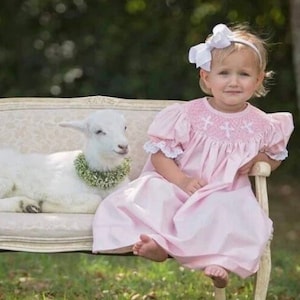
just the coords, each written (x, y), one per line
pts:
(50, 182)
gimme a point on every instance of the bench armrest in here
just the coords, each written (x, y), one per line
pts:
(261, 168)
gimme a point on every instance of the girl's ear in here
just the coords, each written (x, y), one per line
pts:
(204, 75)
(260, 78)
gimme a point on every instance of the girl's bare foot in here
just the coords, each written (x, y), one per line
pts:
(218, 275)
(148, 248)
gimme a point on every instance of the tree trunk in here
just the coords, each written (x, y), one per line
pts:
(295, 29)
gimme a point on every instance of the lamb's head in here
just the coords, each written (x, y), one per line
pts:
(106, 141)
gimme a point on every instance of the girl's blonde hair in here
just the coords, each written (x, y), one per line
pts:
(243, 32)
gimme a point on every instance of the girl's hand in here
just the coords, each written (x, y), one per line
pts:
(190, 185)
(245, 169)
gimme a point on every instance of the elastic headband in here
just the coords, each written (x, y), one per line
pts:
(222, 37)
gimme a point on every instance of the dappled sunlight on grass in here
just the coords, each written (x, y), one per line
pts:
(81, 276)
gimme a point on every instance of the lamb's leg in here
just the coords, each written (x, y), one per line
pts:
(6, 186)
(15, 204)
(75, 203)
(20, 204)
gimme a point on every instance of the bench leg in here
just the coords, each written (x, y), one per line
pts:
(263, 275)
(220, 294)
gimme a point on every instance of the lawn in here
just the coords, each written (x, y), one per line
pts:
(28, 276)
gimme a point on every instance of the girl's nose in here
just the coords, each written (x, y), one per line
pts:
(233, 80)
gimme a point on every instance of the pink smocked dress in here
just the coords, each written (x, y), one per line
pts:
(222, 223)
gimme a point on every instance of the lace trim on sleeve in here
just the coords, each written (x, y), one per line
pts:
(279, 156)
(170, 152)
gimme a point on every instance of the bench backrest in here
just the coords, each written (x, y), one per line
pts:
(31, 124)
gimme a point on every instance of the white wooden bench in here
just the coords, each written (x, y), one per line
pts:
(31, 125)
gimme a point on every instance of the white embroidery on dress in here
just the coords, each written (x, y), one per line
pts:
(206, 122)
(154, 147)
(247, 126)
(278, 156)
(227, 128)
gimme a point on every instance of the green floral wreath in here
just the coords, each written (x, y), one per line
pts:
(102, 179)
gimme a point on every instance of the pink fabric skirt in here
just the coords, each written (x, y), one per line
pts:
(216, 225)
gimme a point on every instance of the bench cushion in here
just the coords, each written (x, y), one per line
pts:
(46, 232)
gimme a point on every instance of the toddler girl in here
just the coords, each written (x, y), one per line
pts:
(193, 200)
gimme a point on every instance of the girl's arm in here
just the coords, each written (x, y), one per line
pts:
(168, 168)
(274, 164)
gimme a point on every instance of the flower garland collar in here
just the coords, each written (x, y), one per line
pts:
(102, 179)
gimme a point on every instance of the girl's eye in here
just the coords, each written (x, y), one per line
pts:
(100, 132)
(223, 72)
(244, 74)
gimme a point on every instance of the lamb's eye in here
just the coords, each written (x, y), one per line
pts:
(100, 132)
(125, 127)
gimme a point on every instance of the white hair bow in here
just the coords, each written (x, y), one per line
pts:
(222, 37)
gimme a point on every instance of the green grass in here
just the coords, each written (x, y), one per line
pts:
(81, 276)
(30, 276)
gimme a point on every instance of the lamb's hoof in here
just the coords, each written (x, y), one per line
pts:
(32, 209)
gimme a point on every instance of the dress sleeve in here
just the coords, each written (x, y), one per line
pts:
(169, 131)
(276, 141)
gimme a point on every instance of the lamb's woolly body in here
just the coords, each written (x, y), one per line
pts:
(49, 182)
(32, 173)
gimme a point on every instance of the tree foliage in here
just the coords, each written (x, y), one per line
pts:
(130, 48)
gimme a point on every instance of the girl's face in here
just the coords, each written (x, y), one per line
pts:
(233, 80)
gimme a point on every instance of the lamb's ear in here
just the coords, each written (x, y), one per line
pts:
(78, 125)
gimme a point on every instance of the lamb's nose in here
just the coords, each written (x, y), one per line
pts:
(124, 148)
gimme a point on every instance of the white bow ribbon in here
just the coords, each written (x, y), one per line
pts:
(222, 37)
